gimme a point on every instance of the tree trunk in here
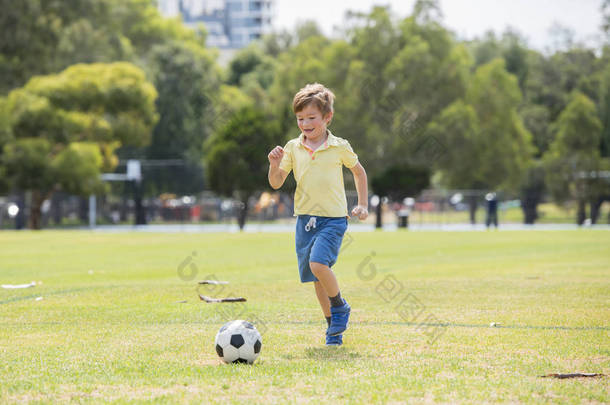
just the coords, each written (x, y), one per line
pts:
(472, 205)
(529, 205)
(530, 213)
(378, 213)
(243, 213)
(35, 220)
(581, 212)
(595, 209)
(140, 211)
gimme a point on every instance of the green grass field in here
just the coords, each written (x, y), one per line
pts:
(111, 326)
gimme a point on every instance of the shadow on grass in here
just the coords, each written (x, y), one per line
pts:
(331, 353)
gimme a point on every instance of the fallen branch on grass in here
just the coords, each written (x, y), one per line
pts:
(572, 375)
(214, 282)
(228, 299)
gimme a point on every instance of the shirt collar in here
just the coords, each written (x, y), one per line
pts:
(330, 141)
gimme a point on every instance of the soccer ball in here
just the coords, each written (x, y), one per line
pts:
(238, 342)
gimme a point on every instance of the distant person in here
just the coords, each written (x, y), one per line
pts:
(316, 158)
(492, 210)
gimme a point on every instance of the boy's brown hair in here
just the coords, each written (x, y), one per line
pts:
(315, 94)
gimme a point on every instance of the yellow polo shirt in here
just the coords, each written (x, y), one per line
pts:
(319, 175)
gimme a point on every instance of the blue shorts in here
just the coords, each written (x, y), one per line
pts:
(318, 239)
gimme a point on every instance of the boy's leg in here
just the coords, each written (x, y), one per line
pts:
(322, 298)
(339, 310)
(326, 278)
(325, 304)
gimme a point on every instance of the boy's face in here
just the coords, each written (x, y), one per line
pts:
(312, 123)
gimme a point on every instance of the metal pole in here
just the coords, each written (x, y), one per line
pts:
(92, 211)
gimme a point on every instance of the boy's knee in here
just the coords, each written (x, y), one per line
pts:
(316, 268)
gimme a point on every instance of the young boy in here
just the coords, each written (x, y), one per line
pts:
(317, 158)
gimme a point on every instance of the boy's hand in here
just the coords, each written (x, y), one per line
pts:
(360, 211)
(275, 156)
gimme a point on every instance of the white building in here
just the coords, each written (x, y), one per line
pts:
(230, 23)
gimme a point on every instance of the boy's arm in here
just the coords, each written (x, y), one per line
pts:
(362, 209)
(276, 175)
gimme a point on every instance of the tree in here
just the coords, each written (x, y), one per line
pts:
(604, 103)
(403, 74)
(253, 71)
(458, 129)
(251, 60)
(65, 128)
(486, 144)
(505, 143)
(236, 156)
(187, 80)
(46, 36)
(532, 190)
(399, 182)
(574, 155)
(275, 43)
(511, 47)
(536, 119)
(306, 30)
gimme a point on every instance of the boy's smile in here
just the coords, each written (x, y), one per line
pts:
(312, 123)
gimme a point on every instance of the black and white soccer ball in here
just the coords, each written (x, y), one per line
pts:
(238, 342)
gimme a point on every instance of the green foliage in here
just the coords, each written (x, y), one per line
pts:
(401, 86)
(49, 35)
(536, 118)
(504, 143)
(429, 71)
(426, 11)
(390, 78)
(399, 182)
(604, 105)
(32, 164)
(77, 168)
(253, 71)
(510, 46)
(555, 78)
(96, 103)
(251, 60)
(188, 81)
(578, 128)
(306, 30)
(27, 164)
(64, 128)
(457, 127)
(5, 132)
(229, 101)
(236, 155)
(575, 153)
(486, 144)
(275, 43)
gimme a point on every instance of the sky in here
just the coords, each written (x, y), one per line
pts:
(467, 18)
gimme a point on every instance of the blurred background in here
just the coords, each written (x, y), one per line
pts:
(122, 112)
